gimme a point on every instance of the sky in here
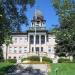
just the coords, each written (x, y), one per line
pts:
(48, 11)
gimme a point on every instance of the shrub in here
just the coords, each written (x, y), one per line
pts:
(47, 59)
(12, 60)
(37, 58)
(2, 73)
(73, 58)
(34, 58)
(24, 59)
(62, 60)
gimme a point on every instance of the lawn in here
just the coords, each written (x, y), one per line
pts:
(63, 69)
(4, 66)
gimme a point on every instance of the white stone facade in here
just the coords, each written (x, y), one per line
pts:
(24, 44)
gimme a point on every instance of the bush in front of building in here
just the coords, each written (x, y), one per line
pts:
(2, 73)
(46, 59)
(24, 59)
(73, 59)
(62, 60)
(12, 60)
(37, 58)
(34, 58)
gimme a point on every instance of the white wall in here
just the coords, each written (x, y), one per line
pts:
(21, 42)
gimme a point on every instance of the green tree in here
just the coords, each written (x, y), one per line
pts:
(7, 41)
(10, 18)
(65, 9)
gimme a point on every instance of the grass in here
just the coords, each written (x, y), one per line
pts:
(4, 67)
(62, 69)
(5, 64)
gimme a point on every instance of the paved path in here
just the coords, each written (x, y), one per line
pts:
(30, 69)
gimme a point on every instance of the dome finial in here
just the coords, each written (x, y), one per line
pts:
(38, 13)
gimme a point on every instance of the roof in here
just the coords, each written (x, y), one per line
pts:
(19, 33)
(32, 31)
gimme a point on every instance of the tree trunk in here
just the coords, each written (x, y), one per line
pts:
(6, 52)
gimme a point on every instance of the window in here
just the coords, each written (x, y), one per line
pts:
(41, 49)
(15, 48)
(20, 51)
(9, 57)
(10, 49)
(25, 38)
(37, 39)
(37, 25)
(19, 57)
(31, 39)
(14, 51)
(32, 49)
(49, 50)
(20, 47)
(15, 40)
(14, 57)
(42, 39)
(25, 49)
(37, 49)
(20, 38)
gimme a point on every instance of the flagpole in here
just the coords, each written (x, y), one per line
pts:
(35, 30)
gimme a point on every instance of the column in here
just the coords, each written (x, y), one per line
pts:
(45, 43)
(34, 44)
(45, 38)
(28, 37)
(40, 43)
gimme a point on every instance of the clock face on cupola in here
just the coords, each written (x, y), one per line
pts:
(38, 20)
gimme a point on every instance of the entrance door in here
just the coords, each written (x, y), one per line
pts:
(37, 50)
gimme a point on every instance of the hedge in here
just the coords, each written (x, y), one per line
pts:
(34, 58)
(37, 58)
(12, 60)
(62, 60)
(46, 59)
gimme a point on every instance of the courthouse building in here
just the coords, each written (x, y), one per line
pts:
(36, 41)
